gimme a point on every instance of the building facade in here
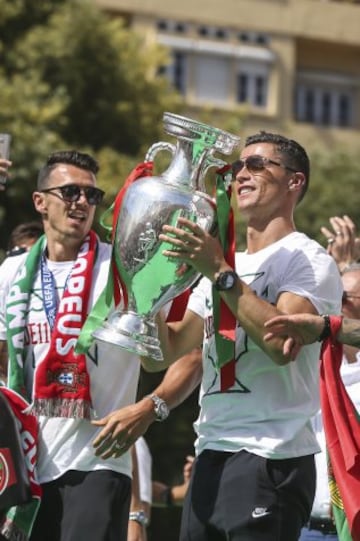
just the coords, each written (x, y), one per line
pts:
(286, 65)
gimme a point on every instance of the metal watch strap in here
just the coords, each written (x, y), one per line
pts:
(139, 516)
(161, 409)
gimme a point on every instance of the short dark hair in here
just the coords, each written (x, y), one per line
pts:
(71, 157)
(294, 154)
(25, 231)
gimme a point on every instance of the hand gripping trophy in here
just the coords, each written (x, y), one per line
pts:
(151, 280)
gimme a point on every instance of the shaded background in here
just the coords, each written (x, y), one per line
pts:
(169, 442)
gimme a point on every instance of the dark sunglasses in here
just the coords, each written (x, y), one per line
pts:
(346, 295)
(254, 164)
(72, 192)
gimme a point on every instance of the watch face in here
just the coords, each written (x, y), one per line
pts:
(160, 407)
(229, 281)
(162, 410)
(225, 280)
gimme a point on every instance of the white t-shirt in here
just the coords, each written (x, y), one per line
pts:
(350, 373)
(268, 411)
(66, 444)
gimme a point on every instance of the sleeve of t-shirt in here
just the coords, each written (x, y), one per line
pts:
(197, 298)
(314, 275)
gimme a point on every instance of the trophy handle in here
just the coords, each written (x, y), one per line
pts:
(211, 161)
(158, 147)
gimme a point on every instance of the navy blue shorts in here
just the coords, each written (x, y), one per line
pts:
(244, 497)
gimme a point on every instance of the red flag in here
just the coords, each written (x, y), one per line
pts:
(342, 432)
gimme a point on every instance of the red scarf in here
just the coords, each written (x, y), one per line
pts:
(62, 385)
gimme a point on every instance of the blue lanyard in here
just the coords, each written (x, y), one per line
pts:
(50, 298)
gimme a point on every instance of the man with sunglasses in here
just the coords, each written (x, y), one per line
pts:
(253, 476)
(43, 305)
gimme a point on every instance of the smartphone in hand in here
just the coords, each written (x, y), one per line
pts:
(5, 140)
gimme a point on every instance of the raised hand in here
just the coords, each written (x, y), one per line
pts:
(343, 243)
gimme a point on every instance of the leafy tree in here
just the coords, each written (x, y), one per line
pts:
(71, 76)
(333, 190)
(114, 98)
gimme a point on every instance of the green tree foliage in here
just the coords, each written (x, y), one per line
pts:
(114, 98)
(333, 191)
(71, 76)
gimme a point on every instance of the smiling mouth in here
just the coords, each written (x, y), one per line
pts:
(245, 191)
(77, 216)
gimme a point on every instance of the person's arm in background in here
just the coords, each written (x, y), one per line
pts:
(168, 496)
(301, 329)
(138, 517)
(343, 242)
(4, 173)
(127, 424)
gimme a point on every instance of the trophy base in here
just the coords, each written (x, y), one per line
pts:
(131, 332)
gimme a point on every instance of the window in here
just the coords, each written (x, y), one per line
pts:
(244, 36)
(162, 25)
(262, 39)
(179, 67)
(215, 71)
(220, 33)
(309, 106)
(252, 84)
(326, 109)
(253, 37)
(176, 71)
(203, 31)
(344, 110)
(211, 78)
(180, 27)
(325, 99)
(242, 88)
(260, 91)
(171, 26)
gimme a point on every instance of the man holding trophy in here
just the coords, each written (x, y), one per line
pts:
(254, 475)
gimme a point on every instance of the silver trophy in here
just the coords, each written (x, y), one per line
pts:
(150, 278)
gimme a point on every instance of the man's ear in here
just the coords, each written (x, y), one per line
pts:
(39, 202)
(296, 181)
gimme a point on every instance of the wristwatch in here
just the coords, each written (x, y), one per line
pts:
(161, 408)
(139, 516)
(225, 280)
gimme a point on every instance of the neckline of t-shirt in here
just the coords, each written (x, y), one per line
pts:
(52, 265)
(271, 246)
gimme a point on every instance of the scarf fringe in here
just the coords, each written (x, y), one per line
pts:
(12, 532)
(61, 407)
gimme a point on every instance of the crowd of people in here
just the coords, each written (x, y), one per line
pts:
(260, 470)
